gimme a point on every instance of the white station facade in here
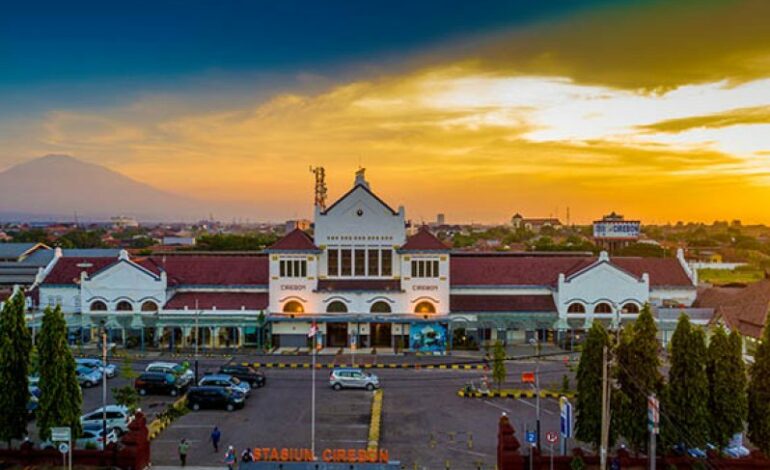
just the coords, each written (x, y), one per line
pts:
(364, 282)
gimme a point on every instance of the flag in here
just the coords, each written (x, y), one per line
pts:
(313, 330)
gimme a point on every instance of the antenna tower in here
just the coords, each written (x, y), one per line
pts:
(320, 186)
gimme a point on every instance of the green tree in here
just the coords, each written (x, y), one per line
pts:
(727, 386)
(60, 394)
(588, 404)
(685, 400)
(15, 347)
(759, 395)
(638, 376)
(498, 364)
(127, 395)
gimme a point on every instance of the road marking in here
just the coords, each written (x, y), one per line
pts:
(495, 405)
(193, 425)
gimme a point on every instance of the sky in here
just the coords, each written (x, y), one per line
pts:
(659, 110)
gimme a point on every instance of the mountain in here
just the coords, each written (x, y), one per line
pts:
(58, 186)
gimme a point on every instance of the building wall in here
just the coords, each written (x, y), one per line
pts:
(123, 281)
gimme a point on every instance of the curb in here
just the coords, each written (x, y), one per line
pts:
(159, 424)
(514, 393)
(305, 365)
(374, 424)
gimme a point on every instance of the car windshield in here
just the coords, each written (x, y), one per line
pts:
(83, 370)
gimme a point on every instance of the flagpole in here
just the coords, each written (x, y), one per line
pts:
(312, 400)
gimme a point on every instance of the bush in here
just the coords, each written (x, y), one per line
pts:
(577, 463)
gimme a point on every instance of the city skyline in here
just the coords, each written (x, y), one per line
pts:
(630, 106)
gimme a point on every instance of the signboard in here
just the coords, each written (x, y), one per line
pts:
(552, 437)
(349, 456)
(427, 337)
(617, 229)
(528, 377)
(653, 414)
(531, 437)
(565, 417)
(64, 448)
(60, 434)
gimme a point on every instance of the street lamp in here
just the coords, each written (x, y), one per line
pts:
(536, 343)
(104, 383)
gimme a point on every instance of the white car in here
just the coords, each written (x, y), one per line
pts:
(118, 418)
(177, 370)
(92, 363)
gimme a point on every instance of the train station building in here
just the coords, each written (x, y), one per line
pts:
(364, 282)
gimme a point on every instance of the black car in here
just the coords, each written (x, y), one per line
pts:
(160, 383)
(246, 374)
(214, 397)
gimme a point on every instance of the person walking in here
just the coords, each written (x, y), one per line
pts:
(184, 446)
(230, 458)
(216, 435)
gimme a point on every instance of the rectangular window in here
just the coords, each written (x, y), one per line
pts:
(293, 268)
(360, 262)
(374, 262)
(386, 263)
(347, 262)
(424, 268)
(333, 268)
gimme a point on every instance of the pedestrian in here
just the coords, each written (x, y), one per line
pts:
(184, 446)
(246, 456)
(216, 435)
(230, 458)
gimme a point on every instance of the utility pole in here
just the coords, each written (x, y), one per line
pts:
(605, 411)
(653, 414)
(314, 335)
(536, 343)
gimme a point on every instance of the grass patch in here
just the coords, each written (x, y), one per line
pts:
(744, 275)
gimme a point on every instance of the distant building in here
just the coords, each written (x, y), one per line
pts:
(123, 221)
(613, 232)
(440, 219)
(179, 241)
(301, 224)
(535, 225)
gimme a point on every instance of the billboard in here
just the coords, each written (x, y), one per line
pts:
(427, 337)
(617, 229)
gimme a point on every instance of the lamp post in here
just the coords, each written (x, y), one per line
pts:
(197, 339)
(536, 343)
(104, 384)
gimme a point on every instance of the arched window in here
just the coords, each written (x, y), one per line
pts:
(424, 307)
(293, 307)
(149, 306)
(630, 307)
(124, 306)
(603, 307)
(576, 308)
(98, 306)
(336, 307)
(381, 307)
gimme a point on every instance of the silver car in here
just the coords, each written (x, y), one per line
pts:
(92, 363)
(88, 377)
(353, 378)
(227, 381)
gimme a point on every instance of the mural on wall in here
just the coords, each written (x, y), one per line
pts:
(427, 337)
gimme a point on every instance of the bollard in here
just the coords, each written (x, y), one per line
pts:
(446, 465)
(470, 441)
(451, 436)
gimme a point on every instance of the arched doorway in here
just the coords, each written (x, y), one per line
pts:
(228, 337)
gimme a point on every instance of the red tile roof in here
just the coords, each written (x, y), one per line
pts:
(368, 285)
(744, 310)
(475, 269)
(423, 240)
(233, 270)
(296, 240)
(501, 303)
(67, 270)
(220, 300)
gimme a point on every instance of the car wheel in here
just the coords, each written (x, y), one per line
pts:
(230, 407)
(174, 392)
(196, 407)
(370, 387)
(142, 392)
(337, 387)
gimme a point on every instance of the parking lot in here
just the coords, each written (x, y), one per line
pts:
(424, 422)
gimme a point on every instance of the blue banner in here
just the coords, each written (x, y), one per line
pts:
(427, 337)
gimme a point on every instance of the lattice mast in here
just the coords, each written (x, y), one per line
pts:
(320, 186)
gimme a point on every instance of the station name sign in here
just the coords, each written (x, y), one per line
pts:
(293, 287)
(612, 229)
(273, 454)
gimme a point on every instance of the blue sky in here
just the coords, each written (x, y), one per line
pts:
(93, 52)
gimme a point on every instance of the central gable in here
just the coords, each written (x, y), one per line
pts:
(360, 218)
